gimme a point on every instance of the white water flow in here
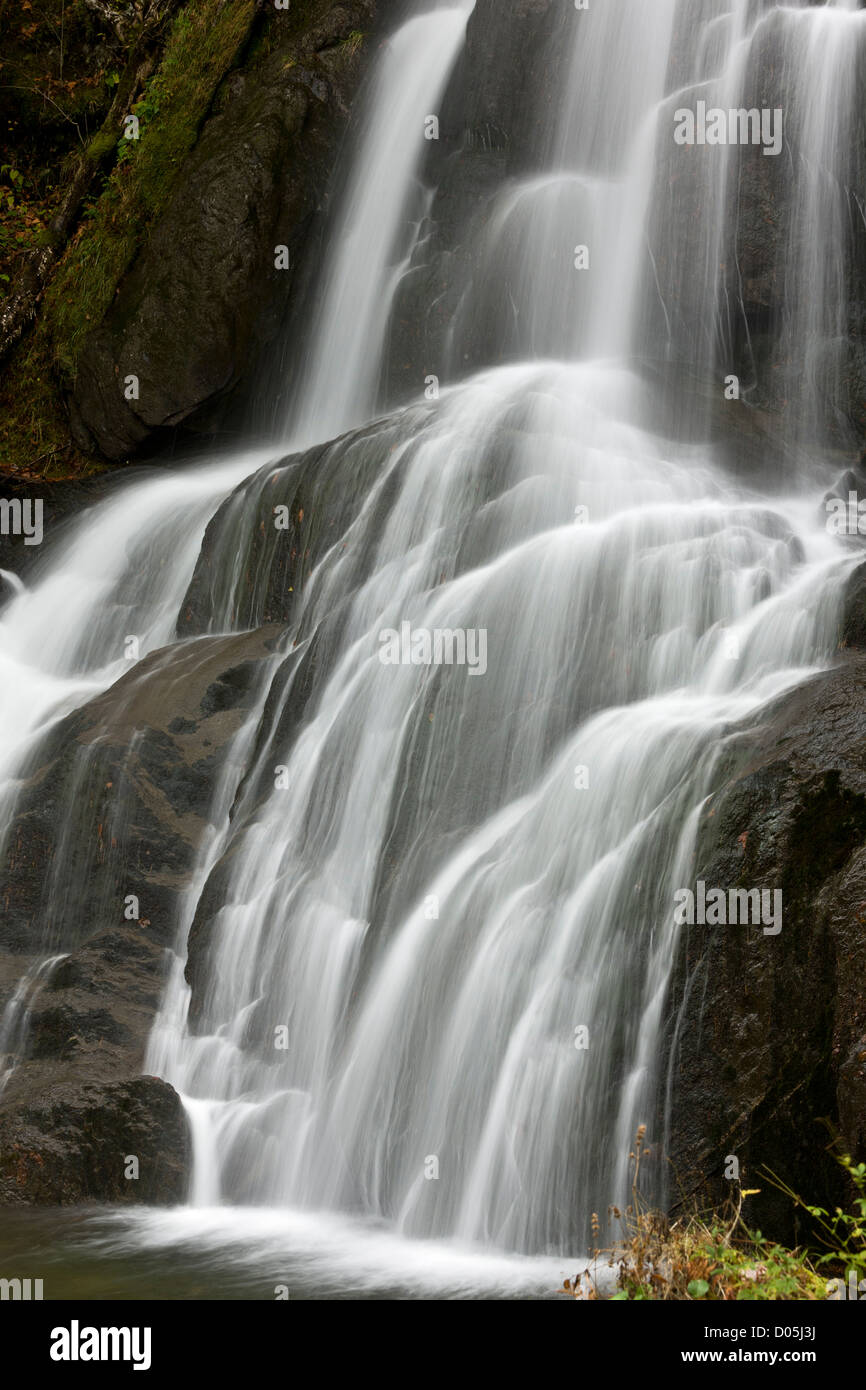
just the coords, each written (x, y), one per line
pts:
(592, 194)
(122, 572)
(807, 64)
(340, 377)
(424, 879)
(430, 902)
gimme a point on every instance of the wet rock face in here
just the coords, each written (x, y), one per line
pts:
(138, 766)
(190, 319)
(854, 617)
(769, 1032)
(75, 1143)
(263, 543)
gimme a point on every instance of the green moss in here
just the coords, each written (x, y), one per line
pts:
(34, 430)
(101, 145)
(204, 42)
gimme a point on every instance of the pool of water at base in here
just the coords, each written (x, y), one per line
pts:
(230, 1253)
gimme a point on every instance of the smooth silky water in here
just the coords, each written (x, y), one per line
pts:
(429, 898)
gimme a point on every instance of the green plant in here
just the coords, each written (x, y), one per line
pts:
(843, 1233)
(698, 1258)
(16, 183)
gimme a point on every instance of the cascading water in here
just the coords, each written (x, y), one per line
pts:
(338, 385)
(430, 1003)
(424, 879)
(426, 901)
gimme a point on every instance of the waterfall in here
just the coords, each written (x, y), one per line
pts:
(426, 899)
(338, 384)
(421, 971)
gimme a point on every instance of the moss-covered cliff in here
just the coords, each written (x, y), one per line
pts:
(153, 256)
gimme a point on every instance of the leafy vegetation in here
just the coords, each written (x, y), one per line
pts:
(717, 1257)
(58, 71)
(841, 1233)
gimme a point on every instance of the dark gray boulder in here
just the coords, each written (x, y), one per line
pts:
(72, 1144)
